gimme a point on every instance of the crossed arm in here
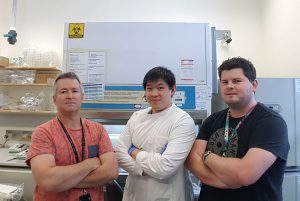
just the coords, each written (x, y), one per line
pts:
(231, 173)
(88, 173)
(195, 164)
(106, 172)
(157, 165)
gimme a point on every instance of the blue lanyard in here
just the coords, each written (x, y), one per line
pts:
(226, 131)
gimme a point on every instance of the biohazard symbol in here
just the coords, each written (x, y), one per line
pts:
(76, 30)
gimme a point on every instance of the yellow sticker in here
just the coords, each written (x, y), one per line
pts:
(76, 30)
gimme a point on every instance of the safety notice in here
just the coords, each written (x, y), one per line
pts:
(76, 30)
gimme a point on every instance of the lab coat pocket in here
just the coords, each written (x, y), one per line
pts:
(136, 189)
(162, 192)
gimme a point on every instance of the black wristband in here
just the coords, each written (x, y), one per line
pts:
(205, 155)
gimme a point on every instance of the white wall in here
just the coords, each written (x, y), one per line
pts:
(281, 28)
(40, 23)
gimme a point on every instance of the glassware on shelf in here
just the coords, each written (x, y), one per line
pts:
(41, 102)
(16, 61)
(2, 96)
(31, 102)
(22, 76)
(5, 76)
(39, 57)
(28, 102)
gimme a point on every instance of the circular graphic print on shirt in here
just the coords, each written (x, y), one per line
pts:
(217, 144)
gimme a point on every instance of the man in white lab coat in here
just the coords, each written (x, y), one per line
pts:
(155, 144)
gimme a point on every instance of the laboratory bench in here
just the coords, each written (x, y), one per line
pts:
(16, 172)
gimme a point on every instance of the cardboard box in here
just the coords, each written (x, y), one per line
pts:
(4, 62)
(45, 77)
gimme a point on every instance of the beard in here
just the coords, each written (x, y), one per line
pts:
(238, 104)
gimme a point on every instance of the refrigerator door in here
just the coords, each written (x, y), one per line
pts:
(283, 96)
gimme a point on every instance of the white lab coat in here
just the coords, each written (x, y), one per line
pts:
(167, 179)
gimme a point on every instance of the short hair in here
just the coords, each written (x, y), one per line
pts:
(239, 62)
(158, 73)
(68, 75)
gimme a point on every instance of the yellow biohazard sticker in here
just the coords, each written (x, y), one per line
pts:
(76, 30)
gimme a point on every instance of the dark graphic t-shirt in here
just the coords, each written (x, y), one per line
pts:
(264, 129)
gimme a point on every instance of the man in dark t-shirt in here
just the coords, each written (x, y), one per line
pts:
(240, 153)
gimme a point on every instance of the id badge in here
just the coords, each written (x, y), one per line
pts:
(85, 197)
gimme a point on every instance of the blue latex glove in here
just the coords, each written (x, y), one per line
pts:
(131, 149)
(163, 149)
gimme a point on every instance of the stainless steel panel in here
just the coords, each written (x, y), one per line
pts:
(280, 95)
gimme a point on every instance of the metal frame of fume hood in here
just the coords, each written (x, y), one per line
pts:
(122, 116)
